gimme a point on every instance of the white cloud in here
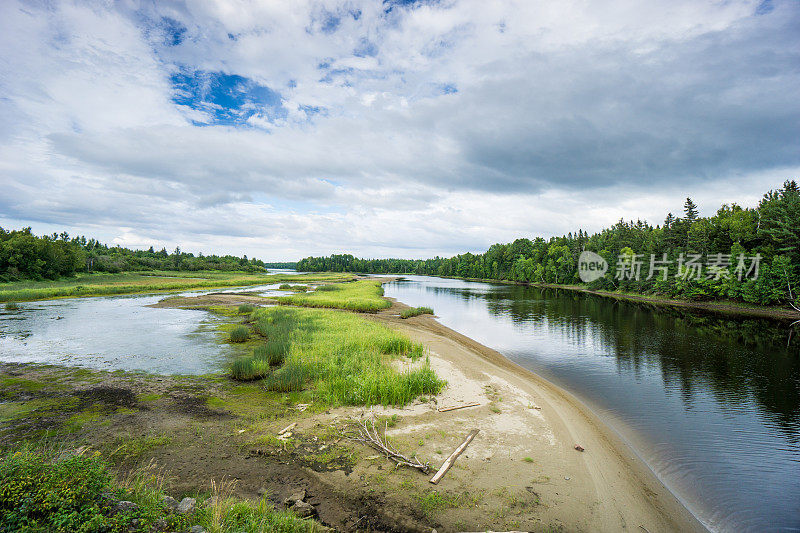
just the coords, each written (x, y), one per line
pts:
(562, 115)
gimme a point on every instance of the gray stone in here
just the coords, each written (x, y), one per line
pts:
(160, 525)
(169, 502)
(303, 509)
(262, 491)
(197, 529)
(297, 496)
(187, 505)
(125, 506)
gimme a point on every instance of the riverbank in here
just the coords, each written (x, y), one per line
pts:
(727, 308)
(522, 467)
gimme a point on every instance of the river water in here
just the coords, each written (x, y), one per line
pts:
(711, 404)
(119, 333)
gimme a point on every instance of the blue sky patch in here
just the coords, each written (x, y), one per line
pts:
(229, 99)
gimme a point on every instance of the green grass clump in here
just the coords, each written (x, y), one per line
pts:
(364, 296)
(41, 492)
(415, 311)
(273, 352)
(239, 334)
(284, 286)
(246, 309)
(11, 306)
(326, 288)
(346, 360)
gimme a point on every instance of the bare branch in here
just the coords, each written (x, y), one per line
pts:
(369, 435)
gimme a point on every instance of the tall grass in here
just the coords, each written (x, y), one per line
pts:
(245, 309)
(239, 334)
(365, 296)
(345, 360)
(415, 311)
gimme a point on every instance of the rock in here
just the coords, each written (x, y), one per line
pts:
(124, 506)
(579, 447)
(303, 509)
(169, 502)
(197, 529)
(187, 505)
(160, 525)
(297, 496)
(262, 491)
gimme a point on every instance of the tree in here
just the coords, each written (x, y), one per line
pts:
(690, 210)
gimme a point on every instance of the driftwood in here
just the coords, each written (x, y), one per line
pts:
(287, 428)
(453, 456)
(453, 408)
(369, 435)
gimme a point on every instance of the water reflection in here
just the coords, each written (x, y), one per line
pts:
(712, 403)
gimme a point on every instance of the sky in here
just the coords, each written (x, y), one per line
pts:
(401, 128)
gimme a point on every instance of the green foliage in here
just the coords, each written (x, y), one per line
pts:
(415, 311)
(343, 359)
(41, 493)
(11, 306)
(245, 309)
(771, 230)
(239, 334)
(365, 296)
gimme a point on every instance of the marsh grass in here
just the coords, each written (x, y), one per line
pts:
(415, 311)
(344, 359)
(326, 288)
(11, 306)
(239, 334)
(364, 296)
(139, 282)
(245, 309)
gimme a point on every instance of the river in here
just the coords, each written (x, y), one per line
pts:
(711, 404)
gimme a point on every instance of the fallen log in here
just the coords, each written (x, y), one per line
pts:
(454, 407)
(453, 456)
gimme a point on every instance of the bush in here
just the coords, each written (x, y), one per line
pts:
(239, 334)
(11, 306)
(415, 311)
(284, 286)
(246, 309)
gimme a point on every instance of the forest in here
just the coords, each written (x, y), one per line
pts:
(24, 256)
(748, 254)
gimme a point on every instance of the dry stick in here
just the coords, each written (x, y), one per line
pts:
(453, 456)
(372, 438)
(445, 409)
(287, 428)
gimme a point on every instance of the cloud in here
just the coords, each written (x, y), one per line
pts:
(395, 129)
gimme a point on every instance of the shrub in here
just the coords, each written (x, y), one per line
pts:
(11, 306)
(415, 311)
(246, 309)
(239, 334)
(284, 286)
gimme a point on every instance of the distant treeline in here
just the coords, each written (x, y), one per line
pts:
(24, 255)
(701, 257)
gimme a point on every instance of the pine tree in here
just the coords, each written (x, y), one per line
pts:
(690, 208)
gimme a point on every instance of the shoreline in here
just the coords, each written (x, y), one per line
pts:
(637, 494)
(727, 308)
